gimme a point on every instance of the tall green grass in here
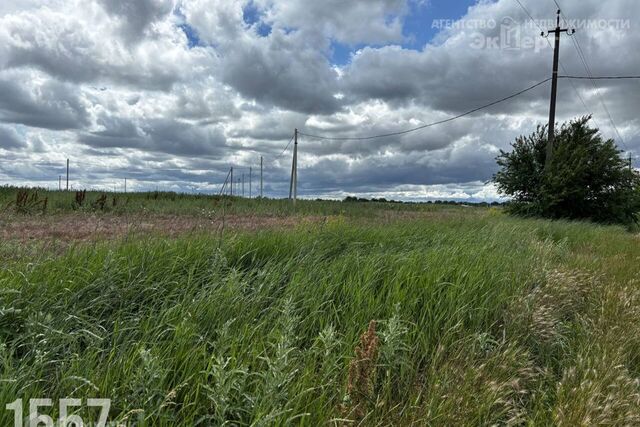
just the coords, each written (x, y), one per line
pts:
(479, 320)
(169, 203)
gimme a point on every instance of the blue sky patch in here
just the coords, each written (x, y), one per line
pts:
(252, 16)
(192, 35)
(418, 29)
(418, 25)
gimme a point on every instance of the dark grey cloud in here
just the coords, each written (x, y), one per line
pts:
(282, 71)
(50, 105)
(10, 140)
(447, 80)
(205, 102)
(474, 163)
(156, 135)
(270, 125)
(136, 16)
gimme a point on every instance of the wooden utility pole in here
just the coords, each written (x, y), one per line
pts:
(59, 182)
(250, 179)
(67, 174)
(293, 190)
(261, 182)
(226, 181)
(125, 186)
(231, 182)
(554, 88)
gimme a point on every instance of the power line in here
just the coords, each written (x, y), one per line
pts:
(527, 12)
(564, 70)
(583, 59)
(285, 148)
(600, 77)
(450, 119)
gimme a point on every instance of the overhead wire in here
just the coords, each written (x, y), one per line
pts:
(585, 63)
(362, 138)
(589, 76)
(564, 70)
(600, 77)
(285, 148)
(450, 119)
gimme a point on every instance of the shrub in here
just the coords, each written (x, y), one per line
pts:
(587, 177)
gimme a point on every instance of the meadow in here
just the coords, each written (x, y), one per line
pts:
(353, 314)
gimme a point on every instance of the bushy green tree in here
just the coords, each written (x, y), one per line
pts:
(587, 178)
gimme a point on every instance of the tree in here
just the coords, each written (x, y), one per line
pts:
(587, 178)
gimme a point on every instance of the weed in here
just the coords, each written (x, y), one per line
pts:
(362, 375)
(29, 202)
(100, 202)
(485, 320)
(80, 197)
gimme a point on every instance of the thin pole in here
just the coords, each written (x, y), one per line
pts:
(295, 173)
(67, 174)
(232, 182)
(261, 182)
(554, 91)
(59, 182)
(250, 179)
(294, 167)
(224, 185)
(242, 184)
(125, 186)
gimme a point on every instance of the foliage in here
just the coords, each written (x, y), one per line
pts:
(28, 202)
(202, 205)
(479, 320)
(587, 178)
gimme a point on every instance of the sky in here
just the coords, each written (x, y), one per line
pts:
(172, 93)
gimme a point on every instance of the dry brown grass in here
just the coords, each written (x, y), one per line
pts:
(81, 227)
(544, 313)
(361, 378)
(595, 392)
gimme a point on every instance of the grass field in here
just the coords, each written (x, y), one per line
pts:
(352, 314)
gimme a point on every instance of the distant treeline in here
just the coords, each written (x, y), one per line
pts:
(352, 199)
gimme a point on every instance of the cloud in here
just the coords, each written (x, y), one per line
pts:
(137, 16)
(44, 104)
(156, 135)
(281, 71)
(10, 140)
(353, 22)
(81, 45)
(174, 92)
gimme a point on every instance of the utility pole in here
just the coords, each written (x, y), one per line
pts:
(261, 177)
(293, 190)
(224, 185)
(242, 184)
(125, 186)
(250, 179)
(59, 182)
(67, 174)
(231, 181)
(554, 88)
